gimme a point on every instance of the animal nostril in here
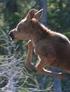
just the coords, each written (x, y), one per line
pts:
(11, 35)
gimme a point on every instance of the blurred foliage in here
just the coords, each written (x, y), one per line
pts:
(59, 15)
(67, 34)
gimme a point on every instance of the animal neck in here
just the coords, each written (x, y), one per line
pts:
(39, 31)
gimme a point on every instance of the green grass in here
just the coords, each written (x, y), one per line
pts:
(23, 90)
(1, 59)
(67, 34)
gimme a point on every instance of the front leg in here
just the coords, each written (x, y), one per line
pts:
(40, 69)
(29, 53)
(28, 64)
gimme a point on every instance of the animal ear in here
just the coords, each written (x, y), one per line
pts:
(38, 14)
(31, 13)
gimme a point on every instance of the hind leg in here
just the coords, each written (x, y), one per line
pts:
(40, 67)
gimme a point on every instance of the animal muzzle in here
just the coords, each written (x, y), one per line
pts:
(11, 34)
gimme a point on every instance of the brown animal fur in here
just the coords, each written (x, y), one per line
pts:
(51, 48)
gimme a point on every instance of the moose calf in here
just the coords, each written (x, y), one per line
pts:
(52, 48)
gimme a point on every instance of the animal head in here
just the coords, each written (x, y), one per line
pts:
(23, 28)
